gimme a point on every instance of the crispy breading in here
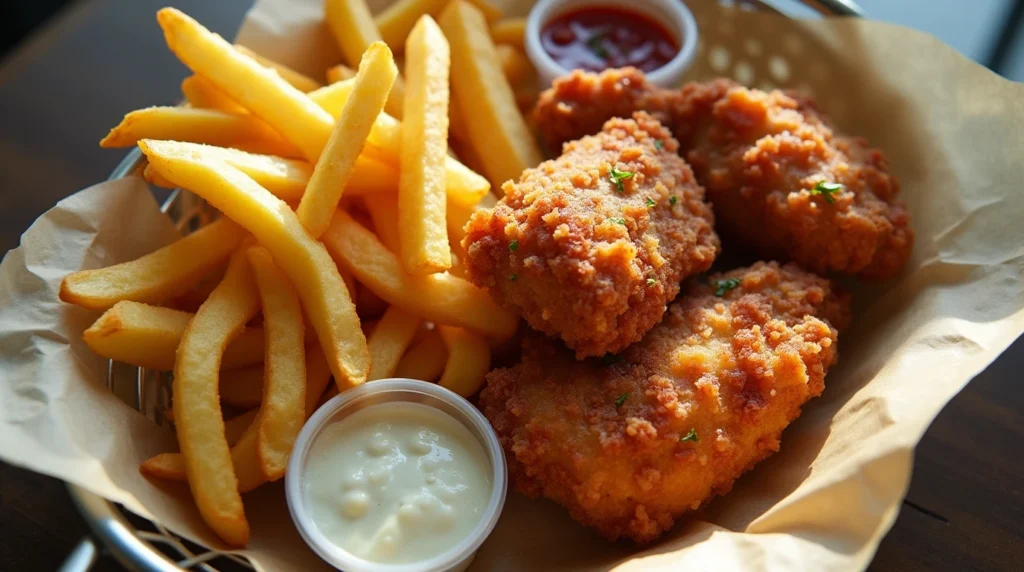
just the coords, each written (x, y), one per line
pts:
(760, 156)
(631, 444)
(591, 246)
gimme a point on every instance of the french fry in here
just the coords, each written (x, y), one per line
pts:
(425, 360)
(242, 387)
(157, 276)
(384, 213)
(491, 13)
(498, 132)
(456, 122)
(397, 20)
(197, 417)
(284, 385)
(304, 260)
(198, 126)
(199, 92)
(352, 26)
(376, 74)
(148, 336)
(389, 341)
(259, 89)
(424, 149)
(438, 297)
(469, 360)
(462, 184)
(458, 216)
(287, 178)
(509, 31)
(517, 68)
(298, 80)
(340, 72)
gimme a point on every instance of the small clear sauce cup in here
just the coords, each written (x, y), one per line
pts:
(673, 14)
(456, 558)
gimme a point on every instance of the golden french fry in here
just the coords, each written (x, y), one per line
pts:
(197, 417)
(438, 297)
(157, 276)
(425, 360)
(498, 132)
(287, 178)
(376, 74)
(259, 89)
(298, 80)
(456, 122)
(284, 385)
(397, 20)
(242, 387)
(509, 31)
(198, 126)
(389, 341)
(340, 72)
(383, 211)
(517, 68)
(463, 185)
(148, 336)
(275, 225)
(352, 26)
(199, 92)
(491, 13)
(424, 149)
(469, 360)
(458, 216)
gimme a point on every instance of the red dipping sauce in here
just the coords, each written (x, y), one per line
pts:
(596, 38)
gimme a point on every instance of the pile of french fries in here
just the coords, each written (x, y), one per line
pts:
(337, 254)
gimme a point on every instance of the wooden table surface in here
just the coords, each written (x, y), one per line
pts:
(73, 80)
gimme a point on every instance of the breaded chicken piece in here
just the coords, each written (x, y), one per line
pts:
(782, 182)
(591, 246)
(631, 444)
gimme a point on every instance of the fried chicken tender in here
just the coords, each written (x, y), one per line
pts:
(591, 246)
(630, 445)
(763, 158)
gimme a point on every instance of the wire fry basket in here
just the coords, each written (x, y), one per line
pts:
(139, 544)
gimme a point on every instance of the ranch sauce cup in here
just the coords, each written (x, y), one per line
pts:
(396, 475)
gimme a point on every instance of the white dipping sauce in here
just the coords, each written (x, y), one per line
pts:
(397, 482)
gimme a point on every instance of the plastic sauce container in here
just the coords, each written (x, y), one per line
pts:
(670, 18)
(341, 427)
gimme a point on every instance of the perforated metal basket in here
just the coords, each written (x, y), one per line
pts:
(139, 544)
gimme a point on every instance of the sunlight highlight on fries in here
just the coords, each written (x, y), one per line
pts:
(259, 89)
(305, 261)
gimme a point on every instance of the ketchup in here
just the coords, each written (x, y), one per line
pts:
(600, 37)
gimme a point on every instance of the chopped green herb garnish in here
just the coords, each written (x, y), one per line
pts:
(723, 286)
(618, 220)
(651, 281)
(826, 190)
(621, 399)
(658, 144)
(691, 436)
(611, 359)
(649, 202)
(672, 200)
(513, 276)
(596, 47)
(513, 246)
(616, 176)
